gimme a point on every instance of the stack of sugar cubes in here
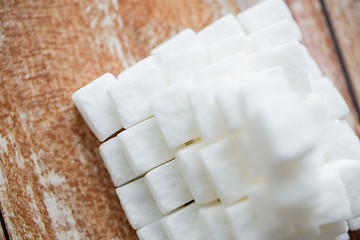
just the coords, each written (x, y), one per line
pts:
(229, 133)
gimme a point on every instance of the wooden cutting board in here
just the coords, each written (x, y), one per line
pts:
(53, 184)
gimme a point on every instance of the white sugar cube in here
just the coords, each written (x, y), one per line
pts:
(328, 92)
(228, 100)
(184, 224)
(173, 113)
(154, 231)
(145, 147)
(332, 204)
(295, 182)
(182, 65)
(313, 68)
(206, 111)
(185, 39)
(243, 222)
(214, 222)
(225, 27)
(349, 171)
(250, 159)
(194, 174)
(168, 187)
(339, 141)
(138, 204)
(224, 168)
(284, 129)
(344, 236)
(318, 109)
(264, 14)
(229, 105)
(130, 93)
(291, 58)
(275, 35)
(332, 230)
(305, 233)
(235, 65)
(96, 108)
(269, 216)
(354, 224)
(228, 46)
(115, 162)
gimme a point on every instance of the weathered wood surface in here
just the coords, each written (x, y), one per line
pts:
(53, 184)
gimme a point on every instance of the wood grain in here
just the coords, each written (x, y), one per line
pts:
(345, 18)
(53, 184)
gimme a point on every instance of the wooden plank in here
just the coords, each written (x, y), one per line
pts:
(53, 184)
(345, 19)
(2, 234)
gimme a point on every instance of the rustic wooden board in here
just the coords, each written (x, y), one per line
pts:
(53, 183)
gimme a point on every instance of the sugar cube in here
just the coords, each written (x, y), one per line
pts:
(144, 146)
(243, 222)
(305, 233)
(228, 99)
(96, 108)
(185, 39)
(291, 58)
(328, 92)
(269, 216)
(154, 231)
(173, 113)
(354, 224)
(344, 236)
(339, 141)
(207, 114)
(130, 93)
(229, 46)
(332, 230)
(284, 129)
(275, 35)
(349, 171)
(184, 224)
(194, 174)
(168, 187)
(224, 168)
(138, 204)
(235, 65)
(225, 27)
(313, 68)
(264, 14)
(318, 109)
(182, 65)
(116, 162)
(214, 222)
(332, 204)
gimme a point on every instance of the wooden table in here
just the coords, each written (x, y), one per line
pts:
(53, 183)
